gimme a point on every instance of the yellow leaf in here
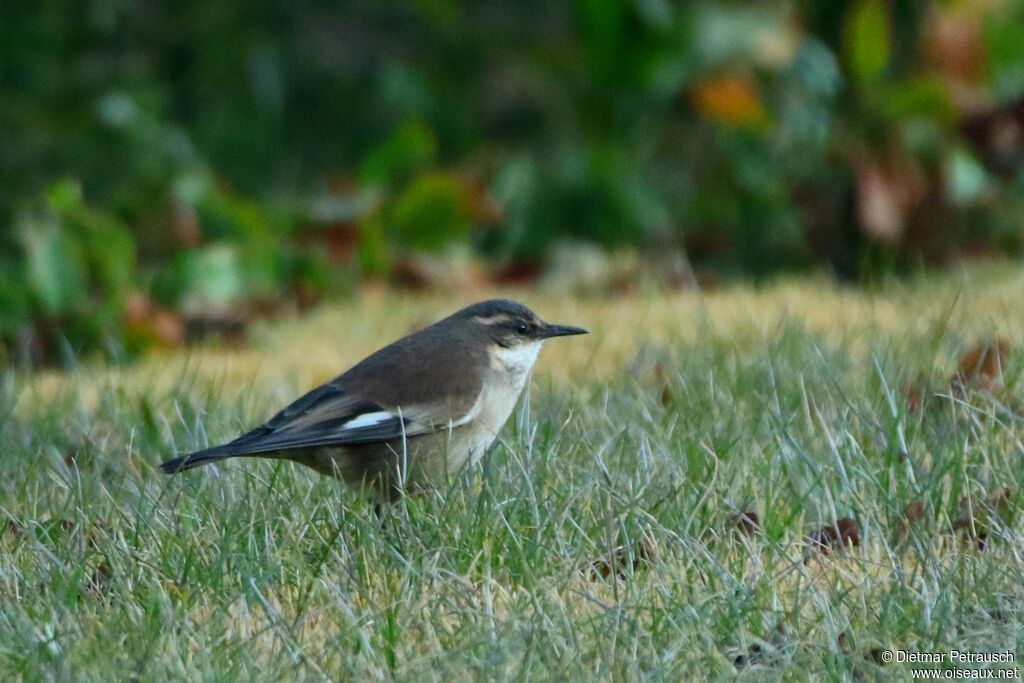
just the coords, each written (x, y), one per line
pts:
(730, 100)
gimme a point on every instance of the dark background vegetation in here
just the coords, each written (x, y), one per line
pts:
(168, 169)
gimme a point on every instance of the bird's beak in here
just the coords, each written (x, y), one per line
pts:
(561, 331)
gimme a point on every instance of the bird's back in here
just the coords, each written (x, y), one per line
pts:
(406, 371)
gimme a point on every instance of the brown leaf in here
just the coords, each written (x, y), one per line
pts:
(185, 224)
(223, 324)
(974, 520)
(982, 366)
(730, 100)
(70, 459)
(748, 523)
(912, 514)
(98, 525)
(147, 325)
(888, 189)
(617, 560)
(831, 537)
(661, 378)
(484, 209)
(99, 579)
(916, 395)
(305, 296)
(954, 46)
(523, 273)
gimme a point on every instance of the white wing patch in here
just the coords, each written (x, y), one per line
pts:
(368, 420)
(414, 419)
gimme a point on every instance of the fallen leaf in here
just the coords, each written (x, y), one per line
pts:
(147, 325)
(912, 514)
(661, 378)
(748, 522)
(618, 560)
(975, 520)
(97, 525)
(915, 395)
(831, 537)
(99, 579)
(982, 366)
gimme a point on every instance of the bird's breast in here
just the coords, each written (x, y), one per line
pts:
(503, 384)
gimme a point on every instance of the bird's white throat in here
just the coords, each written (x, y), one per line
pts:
(517, 360)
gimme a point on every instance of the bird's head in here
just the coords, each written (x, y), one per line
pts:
(510, 324)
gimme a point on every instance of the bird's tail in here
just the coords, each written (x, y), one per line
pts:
(197, 459)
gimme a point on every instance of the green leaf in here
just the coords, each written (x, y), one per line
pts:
(108, 246)
(54, 262)
(64, 196)
(601, 25)
(211, 276)
(1004, 35)
(925, 97)
(866, 40)
(373, 253)
(431, 213)
(441, 13)
(966, 178)
(15, 311)
(410, 148)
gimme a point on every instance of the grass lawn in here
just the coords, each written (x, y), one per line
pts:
(638, 448)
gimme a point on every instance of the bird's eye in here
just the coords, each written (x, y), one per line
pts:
(522, 328)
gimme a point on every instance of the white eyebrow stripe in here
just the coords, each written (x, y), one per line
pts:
(368, 420)
(496, 319)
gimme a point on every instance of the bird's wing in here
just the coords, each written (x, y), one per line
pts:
(332, 416)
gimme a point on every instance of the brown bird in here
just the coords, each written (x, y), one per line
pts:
(412, 414)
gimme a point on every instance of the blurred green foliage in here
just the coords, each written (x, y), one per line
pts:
(210, 155)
